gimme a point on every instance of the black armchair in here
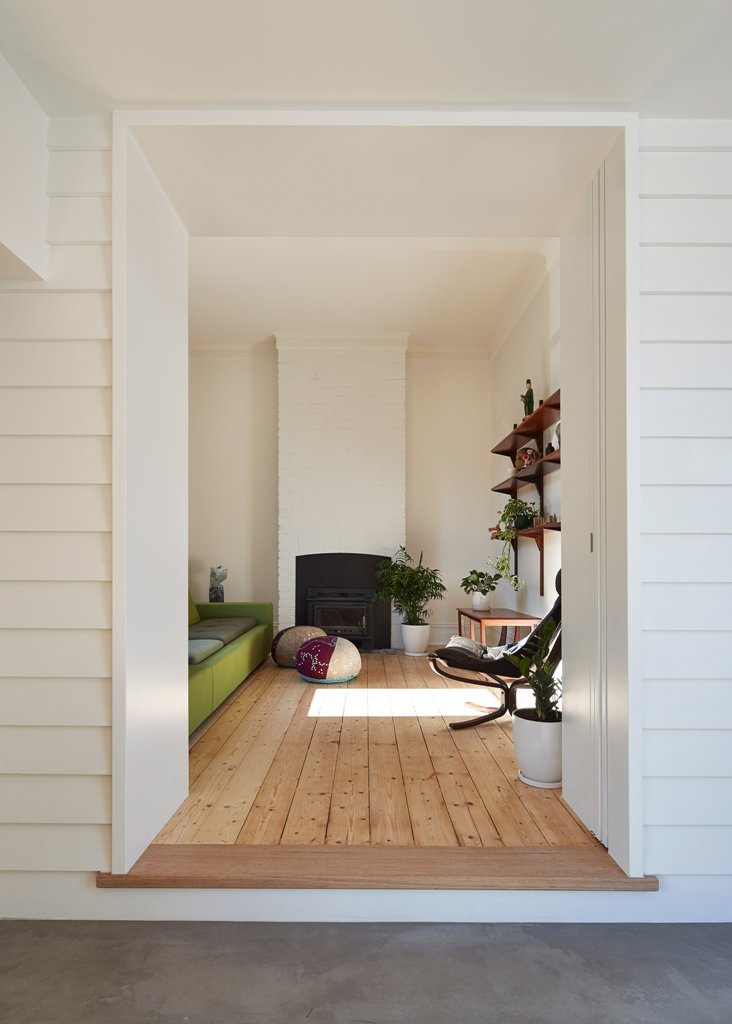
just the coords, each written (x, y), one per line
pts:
(499, 673)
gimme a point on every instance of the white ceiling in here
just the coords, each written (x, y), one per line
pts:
(482, 182)
(663, 57)
(442, 293)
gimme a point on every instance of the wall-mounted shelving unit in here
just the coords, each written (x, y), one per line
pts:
(532, 429)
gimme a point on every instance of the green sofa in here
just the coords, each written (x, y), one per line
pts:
(226, 642)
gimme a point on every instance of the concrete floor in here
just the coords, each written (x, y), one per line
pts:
(142, 973)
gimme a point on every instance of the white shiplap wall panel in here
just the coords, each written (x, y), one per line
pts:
(54, 847)
(687, 753)
(687, 558)
(698, 703)
(56, 363)
(56, 556)
(61, 750)
(685, 222)
(686, 232)
(688, 268)
(50, 411)
(82, 220)
(55, 508)
(685, 413)
(28, 604)
(686, 655)
(685, 510)
(62, 460)
(698, 461)
(670, 133)
(56, 652)
(50, 701)
(44, 314)
(77, 267)
(55, 521)
(79, 133)
(686, 173)
(59, 799)
(675, 801)
(80, 173)
(689, 365)
(688, 849)
(686, 317)
(685, 606)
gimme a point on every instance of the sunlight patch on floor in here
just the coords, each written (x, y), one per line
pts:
(328, 702)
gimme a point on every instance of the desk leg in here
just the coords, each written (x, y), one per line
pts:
(503, 639)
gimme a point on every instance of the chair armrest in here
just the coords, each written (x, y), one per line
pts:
(263, 611)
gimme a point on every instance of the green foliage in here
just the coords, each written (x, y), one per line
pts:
(514, 509)
(410, 587)
(539, 674)
(480, 582)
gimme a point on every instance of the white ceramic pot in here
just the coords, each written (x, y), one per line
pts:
(481, 602)
(538, 747)
(415, 639)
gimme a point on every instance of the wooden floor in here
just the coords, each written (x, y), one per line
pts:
(369, 763)
(365, 786)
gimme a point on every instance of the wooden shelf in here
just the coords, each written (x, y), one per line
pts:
(521, 477)
(531, 428)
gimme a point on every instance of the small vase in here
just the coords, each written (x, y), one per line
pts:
(480, 602)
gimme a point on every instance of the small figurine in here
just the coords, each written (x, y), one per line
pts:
(216, 583)
(549, 449)
(528, 399)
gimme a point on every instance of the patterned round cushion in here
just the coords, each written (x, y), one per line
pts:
(329, 659)
(288, 642)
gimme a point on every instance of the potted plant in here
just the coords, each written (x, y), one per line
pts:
(515, 515)
(537, 731)
(480, 585)
(409, 587)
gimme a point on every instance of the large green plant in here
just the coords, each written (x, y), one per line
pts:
(538, 672)
(409, 587)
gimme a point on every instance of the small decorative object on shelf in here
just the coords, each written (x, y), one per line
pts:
(549, 449)
(557, 431)
(216, 583)
(528, 399)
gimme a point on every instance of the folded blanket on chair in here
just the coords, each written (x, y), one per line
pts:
(473, 648)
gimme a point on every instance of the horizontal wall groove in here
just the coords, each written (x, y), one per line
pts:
(686, 341)
(712, 197)
(685, 149)
(686, 245)
(674, 291)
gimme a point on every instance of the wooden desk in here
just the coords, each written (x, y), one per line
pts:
(503, 617)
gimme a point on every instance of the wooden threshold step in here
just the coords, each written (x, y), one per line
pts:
(375, 867)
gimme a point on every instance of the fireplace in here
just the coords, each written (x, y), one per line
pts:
(335, 591)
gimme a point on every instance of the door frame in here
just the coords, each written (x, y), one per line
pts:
(623, 736)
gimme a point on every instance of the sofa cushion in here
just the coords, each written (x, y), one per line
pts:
(193, 615)
(225, 630)
(202, 648)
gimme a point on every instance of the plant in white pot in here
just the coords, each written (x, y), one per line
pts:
(537, 731)
(409, 588)
(479, 586)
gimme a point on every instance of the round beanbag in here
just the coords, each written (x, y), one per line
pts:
(288, 641)
(328, 659)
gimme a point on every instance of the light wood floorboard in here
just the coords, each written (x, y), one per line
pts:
(291, 764)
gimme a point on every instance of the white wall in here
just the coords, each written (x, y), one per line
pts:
(341, 450)
(233, 473)
(528, 346)
(151, 504)
(686, 467)
(448, 473)
(55, 523)
(24, 180)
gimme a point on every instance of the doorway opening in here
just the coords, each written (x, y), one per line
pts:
(420, 379)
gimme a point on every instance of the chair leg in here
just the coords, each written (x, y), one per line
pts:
(498, 713)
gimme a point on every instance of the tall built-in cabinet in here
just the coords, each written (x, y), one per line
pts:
(532, 428)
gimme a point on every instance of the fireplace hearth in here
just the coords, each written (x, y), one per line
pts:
(335, 591)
